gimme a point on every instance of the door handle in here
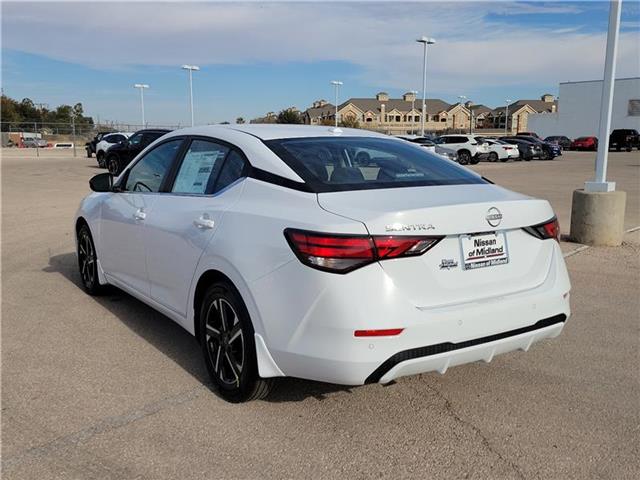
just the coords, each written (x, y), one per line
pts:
(204, 222)
(140, 214)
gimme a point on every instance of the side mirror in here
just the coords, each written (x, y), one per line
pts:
(103, 182)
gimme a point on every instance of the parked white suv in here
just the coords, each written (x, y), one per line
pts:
(468, 148)
(105, 143)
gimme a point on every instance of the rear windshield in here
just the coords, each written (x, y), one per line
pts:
(356, 163)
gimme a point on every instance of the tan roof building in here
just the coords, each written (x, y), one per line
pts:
(393, 115)
(518, 113)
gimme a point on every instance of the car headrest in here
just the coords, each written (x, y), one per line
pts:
(347, 175)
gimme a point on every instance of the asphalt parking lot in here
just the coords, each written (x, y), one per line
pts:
(107, 388)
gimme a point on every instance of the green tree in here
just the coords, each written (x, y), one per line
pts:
(289, 116)
(239, 120)
(9, 112)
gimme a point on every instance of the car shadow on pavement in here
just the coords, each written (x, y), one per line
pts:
(175, 342)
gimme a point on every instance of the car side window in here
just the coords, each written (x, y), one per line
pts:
(200, 167)
(232, 170)
(135, 139)
(149, 172)
(148, 138)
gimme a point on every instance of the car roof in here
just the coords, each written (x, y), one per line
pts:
(269, 131)
(154, 130)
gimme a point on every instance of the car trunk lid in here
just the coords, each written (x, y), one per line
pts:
(439, 277)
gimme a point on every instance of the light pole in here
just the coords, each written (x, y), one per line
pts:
(141, 86)
(425, 41)
(336, 84)
(413, 107)
(506, 115)
(191, 69)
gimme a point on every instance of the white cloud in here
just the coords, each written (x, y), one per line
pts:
(377, 37)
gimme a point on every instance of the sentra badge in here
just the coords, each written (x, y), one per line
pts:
(400, 227)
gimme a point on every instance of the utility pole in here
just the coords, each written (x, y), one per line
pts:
(425, 41)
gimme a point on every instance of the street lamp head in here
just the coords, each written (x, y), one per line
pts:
(190, 67)
(426, 40)
(336, 82)
(141, 85)
(508, 101)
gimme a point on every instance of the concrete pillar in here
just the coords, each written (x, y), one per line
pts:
(597, 218)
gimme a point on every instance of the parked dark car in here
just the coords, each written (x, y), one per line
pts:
(585, 143)
(564, 142)
(528, 134)
(624, 138)
(549, 150)
(528, 150)
(90, 147)
(120, 154)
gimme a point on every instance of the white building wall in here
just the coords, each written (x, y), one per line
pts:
(578, 112)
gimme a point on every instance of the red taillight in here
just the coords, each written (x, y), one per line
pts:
(344, 253)
(552, 229)
(549, 229)
(399, 246)
(389, 332)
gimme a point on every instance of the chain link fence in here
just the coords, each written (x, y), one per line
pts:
(62, 135)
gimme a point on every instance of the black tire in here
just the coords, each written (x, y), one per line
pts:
(88, 153)
(464, 157)
(113, 165)
(629, 148)
(100, 159)
(88, 262)
(493, 157)
(545, 155)
(527, 159)
(228, 346)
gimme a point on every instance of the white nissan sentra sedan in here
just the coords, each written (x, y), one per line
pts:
(328, 254)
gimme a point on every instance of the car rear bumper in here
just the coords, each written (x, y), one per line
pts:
(310, 333)
(442, 356)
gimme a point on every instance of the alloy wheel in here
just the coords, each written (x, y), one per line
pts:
(87, 259)
(112, 165)
(225, 342)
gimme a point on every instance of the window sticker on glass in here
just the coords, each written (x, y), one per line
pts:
(197, 168)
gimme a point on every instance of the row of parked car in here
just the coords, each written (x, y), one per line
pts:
(470, 149)
(620, 139)
(114, 150)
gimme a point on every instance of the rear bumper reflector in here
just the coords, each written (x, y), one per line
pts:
(389, 332)
(419, 352)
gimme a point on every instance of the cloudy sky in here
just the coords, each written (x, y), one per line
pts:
(257, 57)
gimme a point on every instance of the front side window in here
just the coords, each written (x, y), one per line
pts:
(135, 139)
(149, 172)
(149, 137)
(200, 167)
(354, 163)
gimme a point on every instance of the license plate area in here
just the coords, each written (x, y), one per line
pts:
(481, 250)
